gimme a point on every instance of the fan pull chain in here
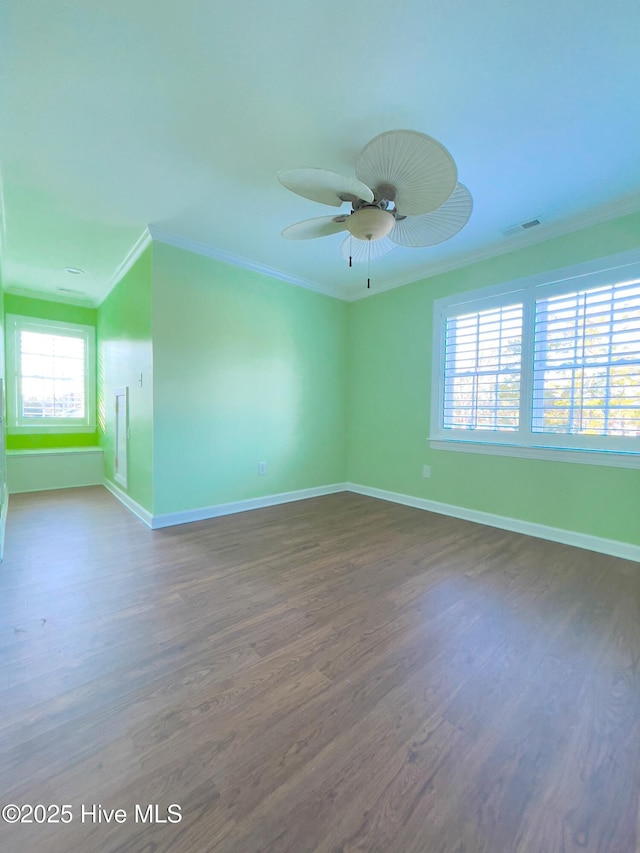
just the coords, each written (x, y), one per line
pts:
(350, 258)
(369, 264)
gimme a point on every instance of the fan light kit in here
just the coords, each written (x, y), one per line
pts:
(370, 223)
(406, 194)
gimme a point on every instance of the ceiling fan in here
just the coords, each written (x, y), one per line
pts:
(406, 194)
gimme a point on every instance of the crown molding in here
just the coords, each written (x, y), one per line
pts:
(129, 260)
(208, 251)
(3, 220)
(49, 296)
(547, 231)
(122, 269)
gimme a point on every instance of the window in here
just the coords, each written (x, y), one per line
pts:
(51, 376)
(586, 367)
(482, 369)
(542, 364)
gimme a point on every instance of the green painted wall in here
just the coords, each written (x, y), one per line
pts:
(125, 351)
(44, 309)
(3, 297)
(3, 436)
(2, 358)
(43, 441)
(247, 369)
(389, 409)
(239, 369)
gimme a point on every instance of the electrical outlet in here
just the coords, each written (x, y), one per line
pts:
(262, 467)
(426, 471)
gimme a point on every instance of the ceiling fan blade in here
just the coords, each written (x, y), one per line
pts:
(437, 226)
(417, 171)
(358, 250)
(324, 186)
(321, 226)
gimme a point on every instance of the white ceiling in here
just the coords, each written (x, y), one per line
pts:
(119, 115)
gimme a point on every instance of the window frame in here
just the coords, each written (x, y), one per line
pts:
(16, 424)
(618, 451)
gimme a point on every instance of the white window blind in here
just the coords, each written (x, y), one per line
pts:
(541, 365)
(482, 370)
(51, 380)
(52, 376)
(586, 371)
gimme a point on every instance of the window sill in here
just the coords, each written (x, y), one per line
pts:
(53, 429)
(53, 451)
(553, 454)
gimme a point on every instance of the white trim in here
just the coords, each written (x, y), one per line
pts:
(624, 550)
(122, 391)
(3, 522)
(56, 297)
(53, 451)
(16, 423)
(527, 291)
(546, 231)
(129, 260)
(186, 516)
(93, 302)
(237, 261)
(170, 519)
(144, 515)
(522, 240)
(3, 224)
(552, 454)
(600, 267)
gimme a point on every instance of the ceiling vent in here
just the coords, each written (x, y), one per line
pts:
(522, 226)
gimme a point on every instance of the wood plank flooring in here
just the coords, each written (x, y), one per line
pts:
(338, 675)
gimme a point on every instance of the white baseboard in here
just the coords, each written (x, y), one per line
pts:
(186, 516)
(144, 515)
(625, 550)
(3, 522)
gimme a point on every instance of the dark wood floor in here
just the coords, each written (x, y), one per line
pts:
(339, 674)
